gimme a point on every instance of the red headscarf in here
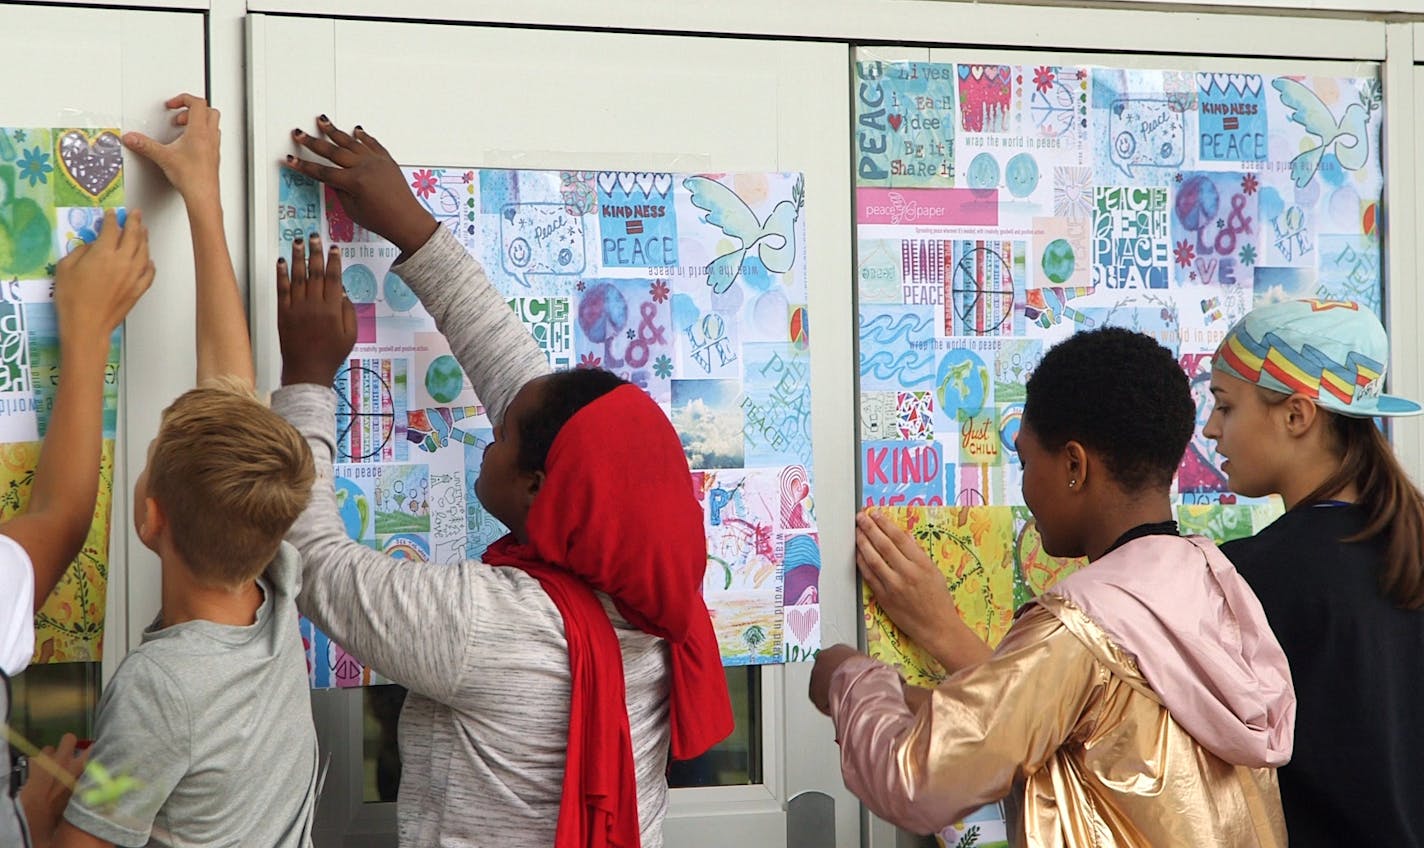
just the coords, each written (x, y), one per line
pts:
(617, 514)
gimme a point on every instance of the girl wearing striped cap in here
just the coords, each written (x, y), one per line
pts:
(1298, 385)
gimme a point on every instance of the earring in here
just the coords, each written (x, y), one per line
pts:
(1072, 483)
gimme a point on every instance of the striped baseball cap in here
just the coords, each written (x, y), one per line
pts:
(1333, 351)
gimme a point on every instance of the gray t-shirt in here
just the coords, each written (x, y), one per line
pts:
(214, 723)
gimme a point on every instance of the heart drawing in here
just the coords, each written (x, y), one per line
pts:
(802, 621)
(92, 164)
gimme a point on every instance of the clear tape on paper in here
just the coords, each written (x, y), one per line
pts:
(565, 160)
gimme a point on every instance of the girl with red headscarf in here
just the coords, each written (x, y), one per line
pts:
(548, 691)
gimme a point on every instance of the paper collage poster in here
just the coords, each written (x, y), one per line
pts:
(1002, 207)
(54, 187)
(693, 287)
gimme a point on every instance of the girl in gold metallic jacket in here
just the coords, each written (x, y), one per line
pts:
(1142, 701)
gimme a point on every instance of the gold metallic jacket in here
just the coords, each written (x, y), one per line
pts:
(1063, 725)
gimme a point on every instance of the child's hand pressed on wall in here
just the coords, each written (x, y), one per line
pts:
(190, 162)
(909, 587)
(97, 284)
(901, 576)
(315, 321)
(369, 184)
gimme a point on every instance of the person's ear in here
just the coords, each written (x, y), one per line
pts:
(153, 524)
(1076, 465)
(531, 484)
(1299, 413)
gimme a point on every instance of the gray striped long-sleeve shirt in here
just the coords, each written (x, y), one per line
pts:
(482, 650)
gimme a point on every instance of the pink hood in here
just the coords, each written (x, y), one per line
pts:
(1200, 639)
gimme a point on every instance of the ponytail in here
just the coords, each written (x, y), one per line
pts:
(1392, 504)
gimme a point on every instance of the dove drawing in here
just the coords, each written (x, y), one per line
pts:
(774, 239)
(1348, 136)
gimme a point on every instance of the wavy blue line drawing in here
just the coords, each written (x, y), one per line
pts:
(889, 338)
(886, 330)
(904, 371)
(802, 550)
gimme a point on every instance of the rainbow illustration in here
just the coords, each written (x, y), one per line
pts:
(407, 546)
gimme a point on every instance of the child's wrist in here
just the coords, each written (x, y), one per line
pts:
(308, 375)
(203, 201)
(414, 236)
(80, 347)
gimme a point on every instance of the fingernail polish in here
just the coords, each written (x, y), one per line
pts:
(291, 158)
(281, 261)
(323, 119)
(297, 133)
(359, 129)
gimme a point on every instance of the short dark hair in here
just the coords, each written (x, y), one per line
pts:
(1120, 394)
(562, 394)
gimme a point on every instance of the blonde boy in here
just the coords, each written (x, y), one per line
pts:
(205, 735)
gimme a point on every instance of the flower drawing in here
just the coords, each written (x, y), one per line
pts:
(423, 181)
(35, 166)
(1184, 253)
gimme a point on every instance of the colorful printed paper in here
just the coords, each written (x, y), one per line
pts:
(991, 558)
(54, 186)
(693, 287)
(1002, 207)
(1169, 202)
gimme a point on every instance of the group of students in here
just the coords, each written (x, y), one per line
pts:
(1173, 693)
(547, 692)
(1149, 699)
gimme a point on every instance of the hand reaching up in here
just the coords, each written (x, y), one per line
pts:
(190, 162)
(316, 323)
(368, 182)
(97, 284)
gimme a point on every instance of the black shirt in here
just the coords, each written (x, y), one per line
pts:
(1158, 528)
(1357, 773)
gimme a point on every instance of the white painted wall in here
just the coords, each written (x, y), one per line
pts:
(147, 64)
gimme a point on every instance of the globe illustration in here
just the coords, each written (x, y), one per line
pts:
(1058, 261)
(352, 506)
(444, 378)
(962, 384)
